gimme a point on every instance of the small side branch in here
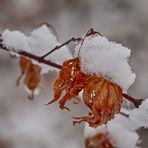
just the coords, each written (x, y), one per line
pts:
(123, 114)
(136, 102)
(58, 47)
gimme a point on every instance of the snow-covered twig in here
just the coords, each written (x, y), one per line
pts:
(34, 57)
(41, 59)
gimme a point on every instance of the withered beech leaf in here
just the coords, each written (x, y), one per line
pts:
(103, 98)
(71, 80)
(24, 64)
(31, 73)
(32, 78)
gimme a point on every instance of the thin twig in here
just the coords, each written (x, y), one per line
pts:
(58, 47)
(123, 114)
(90, 32)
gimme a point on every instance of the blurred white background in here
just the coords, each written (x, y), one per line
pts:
(30, 124)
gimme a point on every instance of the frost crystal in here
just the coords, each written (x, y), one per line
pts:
(140, 115)
(109, 59)
(40, 42)
(120, 131)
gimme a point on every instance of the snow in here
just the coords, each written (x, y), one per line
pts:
(109, 59)
(40, 42)
(122, 132)
(90, 131)
(15, 40)
(33, 128)
(140, 115)
(123, 137)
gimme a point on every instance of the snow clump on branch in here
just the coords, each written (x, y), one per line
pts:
(40, 42)
(101, 57)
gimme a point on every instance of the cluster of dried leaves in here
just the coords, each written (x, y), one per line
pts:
(101, 96)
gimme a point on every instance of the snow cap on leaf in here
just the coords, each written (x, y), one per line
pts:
(109, 59)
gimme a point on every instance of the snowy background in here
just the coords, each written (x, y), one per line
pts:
(30, 124)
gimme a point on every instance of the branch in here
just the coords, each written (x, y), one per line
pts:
(32, 56)
(41, 59)
(136, 102)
